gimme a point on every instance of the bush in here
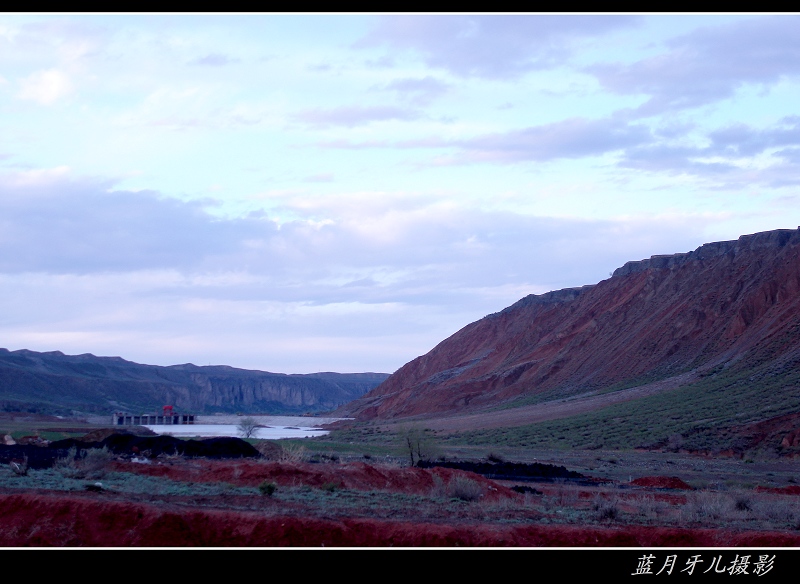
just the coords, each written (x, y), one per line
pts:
(564, 496)
(292, 452)
(67, 466)
(708, 505)
(742, 502)
(464, 488)
(95, 462)
(605, 509)
(267, 488)
(438, 490)
(649, 508)
(88, 464)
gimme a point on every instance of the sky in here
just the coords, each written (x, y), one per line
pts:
(341, 192)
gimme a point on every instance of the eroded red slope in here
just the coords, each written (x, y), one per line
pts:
(652, 319)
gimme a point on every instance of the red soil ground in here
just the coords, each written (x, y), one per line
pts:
(661, 483)
(354, 475)
(114, 519)
(788, 490)
(93, 520)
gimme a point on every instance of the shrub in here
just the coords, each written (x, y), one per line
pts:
(605, 509)
(466, 489)
(291, 452)
(91, 464)
(267, 488)
(742, 502)
(95, 462)
(439, 489)
(67, 465)
(649, 508)
(565, 496)
(707, 505)
(525, 489)
(778, 511)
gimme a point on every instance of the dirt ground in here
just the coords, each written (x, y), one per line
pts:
(636, 499)
(373, 505)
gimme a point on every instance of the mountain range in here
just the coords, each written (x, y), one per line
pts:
(56, 383)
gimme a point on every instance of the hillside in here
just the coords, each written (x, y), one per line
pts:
(57, 383)
(723, 320)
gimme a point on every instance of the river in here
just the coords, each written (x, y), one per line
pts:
(270, 427)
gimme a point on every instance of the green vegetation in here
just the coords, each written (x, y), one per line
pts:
(86, 464)
(54, 479)
(701, 416)
(699, 413)
(351, 441)
(267, 488)
(562, 393)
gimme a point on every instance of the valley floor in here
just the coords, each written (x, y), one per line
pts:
(176, 502)
(342, 492)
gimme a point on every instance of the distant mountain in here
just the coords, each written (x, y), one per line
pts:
(726, 315)
(57, 383)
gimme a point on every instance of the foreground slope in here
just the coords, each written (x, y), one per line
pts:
(731, 305)
(59, 383)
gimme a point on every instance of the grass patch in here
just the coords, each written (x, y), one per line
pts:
(562, 393)
(698, 412)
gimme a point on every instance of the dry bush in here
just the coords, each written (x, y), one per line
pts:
(439, 489)
(606, 509)
(67, 466)
(282, 452)
(649, 508)
(392, 462)
(565, 496)
(96, 461)
(742, 501)
(86, 464)
(508, 506)
(293, 453)
(778, 511)
(269, 449)
(706, 505)
(171, 456)
(464, 488)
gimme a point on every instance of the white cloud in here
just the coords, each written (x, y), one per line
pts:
(45, 87)
(366, 281)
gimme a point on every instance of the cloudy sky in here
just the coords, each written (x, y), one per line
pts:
(302, 193)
